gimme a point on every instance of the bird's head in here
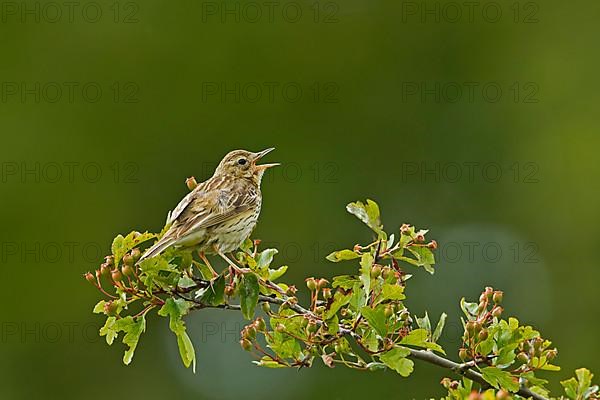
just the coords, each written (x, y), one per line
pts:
(243, 164)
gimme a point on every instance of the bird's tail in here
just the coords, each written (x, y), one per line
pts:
(157, 248)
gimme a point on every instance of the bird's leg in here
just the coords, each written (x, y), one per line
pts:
(205, 260)
(229, 262)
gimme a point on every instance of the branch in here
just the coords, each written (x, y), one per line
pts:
(422, 355)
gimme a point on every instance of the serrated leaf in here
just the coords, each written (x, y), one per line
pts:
(175, 309)
(376, 318)
(396, 360)
(344, 281)
(500, 379)
(122, 245)
(249, 290)
(392, 292)
(342, 255)
(339, 300)
(99, 307)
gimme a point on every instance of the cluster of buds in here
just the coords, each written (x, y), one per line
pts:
(476, 329)
(249, 333)
(535, 348)
(114, 273)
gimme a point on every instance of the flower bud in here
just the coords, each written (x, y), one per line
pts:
(246, 344)
(551, 354)
(327, 293)
(291, 291)
(191, 183)
(90, 278)
(470, 328)
(136, 254)
(462, 354)
(110, 308)
(105, 269)
(404, 228)
(109, 260)
(250, 331)
(420, 238)
(483, 335)
(127, 270)
(322, 283)
(320, 309)
(404, 315)
(375, 271)
(482, 298)
(498, 295)
(523, 357)
(489, 291)
(432, 245)
(128, 260)
(386, 272)
(260, 324)
(388, 311)
(280, 328)
(229, 290)
(497, 311)
(311, 284)
(266, 307)
(116, 275)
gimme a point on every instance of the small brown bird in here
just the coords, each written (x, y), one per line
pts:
(220, 213)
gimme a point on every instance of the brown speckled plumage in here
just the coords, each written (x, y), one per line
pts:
(220, 213)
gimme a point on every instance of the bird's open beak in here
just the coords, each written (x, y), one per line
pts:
(261, 154)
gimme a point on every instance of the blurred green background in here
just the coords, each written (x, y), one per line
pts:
(481, 126)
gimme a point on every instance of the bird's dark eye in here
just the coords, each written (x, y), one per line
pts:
(242, 161)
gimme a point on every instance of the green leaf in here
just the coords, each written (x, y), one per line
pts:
(133, 330)
(249, 290)
(470, 309)
(424, 257)
(369, 214)
(500, 379)
(376, 318)
(268, 363)
(99, 307)
(439, 328)
(275, 274)
(175, 309)
(580, 388)
(366, 262)
(122, 245)
(339, 300)
(214, 295)
(344, 281)
(109, 330)
(424, 322)
(265, 258)
(396, 360)
(342, 255)
(392, 292)
(419, 338)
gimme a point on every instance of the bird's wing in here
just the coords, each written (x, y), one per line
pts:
(214, 207)
(173, 215)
